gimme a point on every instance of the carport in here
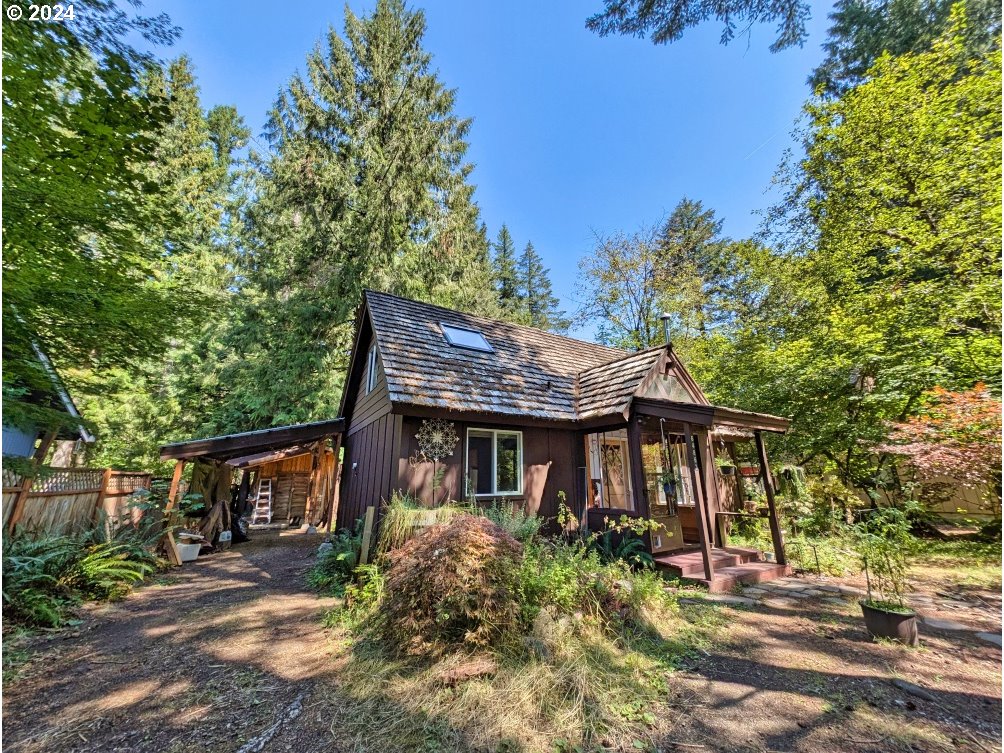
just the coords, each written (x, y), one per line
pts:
(305, 445)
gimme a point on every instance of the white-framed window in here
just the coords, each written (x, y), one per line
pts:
(372, 369)
(494, 462)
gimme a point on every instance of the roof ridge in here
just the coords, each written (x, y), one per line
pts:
(368, 291)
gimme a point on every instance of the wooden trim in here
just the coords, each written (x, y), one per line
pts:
(750, 420)
(639, 489)
(474, 417)
(700, 415)
(768, 486)
(710, 481)
(699, 509)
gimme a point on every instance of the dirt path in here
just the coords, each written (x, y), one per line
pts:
(211, 656)
(798, 672)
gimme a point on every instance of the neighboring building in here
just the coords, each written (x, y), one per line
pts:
(21, 441)
(537, 416)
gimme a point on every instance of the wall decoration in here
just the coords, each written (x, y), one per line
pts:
(437, 439)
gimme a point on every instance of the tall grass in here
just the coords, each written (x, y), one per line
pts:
(403, 516)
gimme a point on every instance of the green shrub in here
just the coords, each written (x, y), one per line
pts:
(45, 576)
(453, 585)
(32, 593)
(334, 568)
(517, 523)
(882, 540)
(104, 571)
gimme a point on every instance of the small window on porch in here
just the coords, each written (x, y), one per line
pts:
(668, 386)
(609, 471)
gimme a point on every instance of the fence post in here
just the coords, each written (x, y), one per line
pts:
(106, 476)
(17, 512)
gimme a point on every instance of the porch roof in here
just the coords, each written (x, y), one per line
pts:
(716, 416)
(242, 447)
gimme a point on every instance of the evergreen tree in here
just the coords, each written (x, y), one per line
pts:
(366, 185)
(81, 279)
(505, 273)
(862, 30)
(162, 398)
(690, 251)
(537, 302)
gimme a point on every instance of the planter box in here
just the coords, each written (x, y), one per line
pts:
(898, 626)
(188, 552)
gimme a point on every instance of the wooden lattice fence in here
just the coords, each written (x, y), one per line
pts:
(61, 500)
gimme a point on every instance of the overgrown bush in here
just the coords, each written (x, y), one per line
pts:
(519, 524)
(453, 585)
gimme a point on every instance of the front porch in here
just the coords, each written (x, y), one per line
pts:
(661, 465)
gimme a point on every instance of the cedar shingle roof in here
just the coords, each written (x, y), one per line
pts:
(530, 373)
(607, 389)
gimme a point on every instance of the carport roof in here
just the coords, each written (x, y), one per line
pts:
(251, 442)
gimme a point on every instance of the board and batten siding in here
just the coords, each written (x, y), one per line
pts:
(548, 467)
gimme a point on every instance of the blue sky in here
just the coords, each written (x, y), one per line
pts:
(573, 134)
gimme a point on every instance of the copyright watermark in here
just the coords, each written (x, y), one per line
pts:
(57, 13)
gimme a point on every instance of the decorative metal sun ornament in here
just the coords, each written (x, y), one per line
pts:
(437, 438)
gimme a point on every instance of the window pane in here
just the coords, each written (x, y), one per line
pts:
(508, 462)
(479, 461)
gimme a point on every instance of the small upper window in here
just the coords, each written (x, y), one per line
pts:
(465, 338)
(372, 369)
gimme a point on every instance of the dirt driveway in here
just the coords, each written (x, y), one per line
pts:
(225, 654)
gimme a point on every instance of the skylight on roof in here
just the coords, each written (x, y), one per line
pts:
(465, 338)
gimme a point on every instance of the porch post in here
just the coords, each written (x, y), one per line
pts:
(768, 488)
(635, 461)
(172, 498)
(699, 495)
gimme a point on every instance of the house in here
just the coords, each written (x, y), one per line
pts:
(47, 414)
(442, 404)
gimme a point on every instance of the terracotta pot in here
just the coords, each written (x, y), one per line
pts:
(882, 623)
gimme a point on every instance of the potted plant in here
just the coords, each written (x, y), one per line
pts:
(881, 540)
(725, 465)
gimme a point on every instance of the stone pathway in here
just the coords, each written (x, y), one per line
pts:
(794, 593)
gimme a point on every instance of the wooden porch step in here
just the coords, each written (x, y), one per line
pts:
(748, 574)
(688, 563)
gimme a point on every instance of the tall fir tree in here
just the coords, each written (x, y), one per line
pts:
(505, 273)
(366, 185)
(537, 302)
(135, 410)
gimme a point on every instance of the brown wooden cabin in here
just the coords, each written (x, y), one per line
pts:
(539, 415)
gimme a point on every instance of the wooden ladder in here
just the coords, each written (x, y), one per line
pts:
(263, 504)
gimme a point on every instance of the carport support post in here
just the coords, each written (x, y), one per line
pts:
(172, 496)
(768, 488)
(333, 486)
